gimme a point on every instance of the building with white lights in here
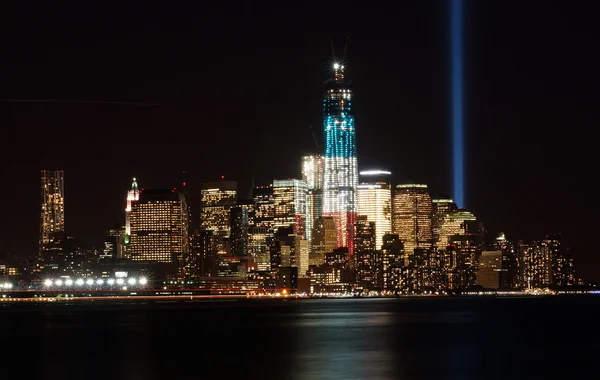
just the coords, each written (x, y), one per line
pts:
(159, 227)
(289, 199)
(375, 202)
(411, 221)
(217, 199)
(312, 174)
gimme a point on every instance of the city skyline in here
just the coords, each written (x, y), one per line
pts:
(504, 209)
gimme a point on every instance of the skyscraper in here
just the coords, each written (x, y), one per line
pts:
(217, 199)
(289, 197)
(441, 207)
(412, 212)
(341, 173)
(312, 174)
(133, 195)
(52, 216)
(159, 227)
(375, 202)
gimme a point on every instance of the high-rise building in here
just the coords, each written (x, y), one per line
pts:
(289, 198)
(113, 244)
(312, 171)
(52, 216)
(324, 239)
(133, 195)
(489, 270)
(159, 227)
(364, 244)
(340, 169)
(441, 207)
(312, 174)
(455, 223)
(412, 211)
(239, 231)
(375, 201)
(264, 208)
(217, 199)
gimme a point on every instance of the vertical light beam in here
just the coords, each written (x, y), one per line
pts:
(456, 42)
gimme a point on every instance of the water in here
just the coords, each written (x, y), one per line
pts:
(425, 338)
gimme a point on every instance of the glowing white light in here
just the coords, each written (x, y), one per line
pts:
(79, 281)
(58, 282)
(336, 66)
(143, 281)
(110, 281)
(6, 285)
(48, 282)
(375, 172)
(69, 282)
(99, 281)
(131, 281)
(120, 281)
(89, 281)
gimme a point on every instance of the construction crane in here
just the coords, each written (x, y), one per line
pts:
(317, 145)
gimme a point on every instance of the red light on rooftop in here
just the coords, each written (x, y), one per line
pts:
(184, 184)
(222, 177)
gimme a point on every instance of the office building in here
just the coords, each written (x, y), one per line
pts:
(412, 212)
(159, 227)
(289, 199)
(375, 201)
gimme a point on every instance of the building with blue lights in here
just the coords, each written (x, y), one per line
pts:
(340, 170)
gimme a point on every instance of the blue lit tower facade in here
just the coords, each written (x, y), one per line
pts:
(340, 178)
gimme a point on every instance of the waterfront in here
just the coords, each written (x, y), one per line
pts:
(424, 338)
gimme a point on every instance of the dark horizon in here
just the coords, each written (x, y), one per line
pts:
(233, 92)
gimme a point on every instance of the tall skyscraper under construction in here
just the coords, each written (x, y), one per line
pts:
(341, 173)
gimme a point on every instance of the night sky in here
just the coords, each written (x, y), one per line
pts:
(233, 91)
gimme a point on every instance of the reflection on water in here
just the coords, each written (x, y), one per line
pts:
(450, 338)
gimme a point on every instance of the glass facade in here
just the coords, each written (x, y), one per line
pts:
(412, 211)
(375, 202)
(289, 198)
(340, 167)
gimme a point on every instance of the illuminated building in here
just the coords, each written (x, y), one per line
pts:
(461, 262)
(456, 223)
(340, 168)
(489, 271)
(259, 241)
(239, 231)
(312, 171)
(216, 201)
(113, 244)
(364, 253)
(390, 262)
(52, 217)
(264, 208)
(324, 239)
(412, 211)
(563, 262)
(289, 199)
(375, 202)
(159, 226)
(133, 195)
(261, 229)
(312, 174)
(441, 208)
